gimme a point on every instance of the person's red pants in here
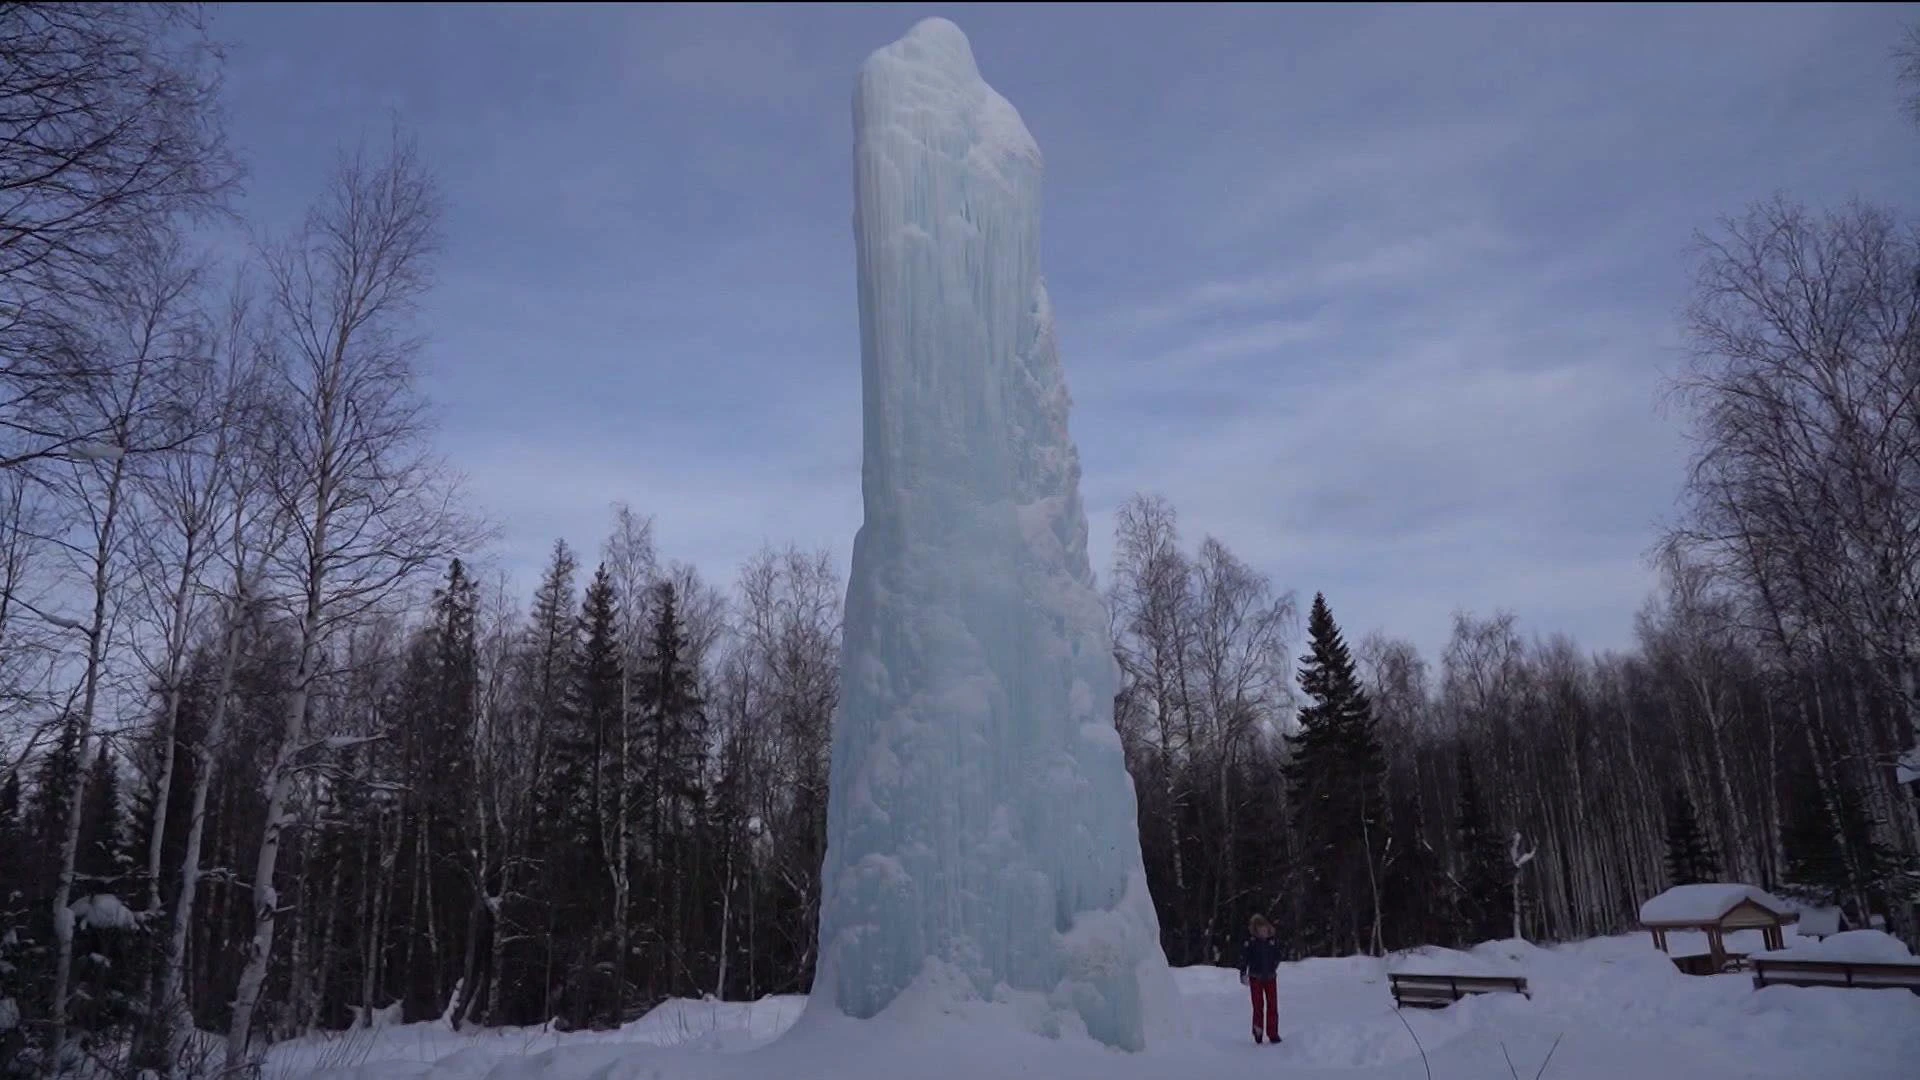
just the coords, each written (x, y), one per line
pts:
(1266, 1003)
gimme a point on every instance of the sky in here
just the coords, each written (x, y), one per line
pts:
(1385, 298)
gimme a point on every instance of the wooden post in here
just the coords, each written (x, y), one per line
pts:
(1715, 950)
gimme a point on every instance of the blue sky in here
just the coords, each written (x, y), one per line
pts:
(1384, 297)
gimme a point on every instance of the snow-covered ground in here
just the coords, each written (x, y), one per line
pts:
(1618, 1007)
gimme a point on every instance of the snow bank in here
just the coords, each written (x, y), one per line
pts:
(1432, 960)
(397, 1051)
(1618, 1007)
(1705, 902)
(1847, 947)
(389, 1015)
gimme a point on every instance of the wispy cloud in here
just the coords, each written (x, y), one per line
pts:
(1381, 296)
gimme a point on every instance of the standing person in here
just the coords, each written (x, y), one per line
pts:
(1259, 967)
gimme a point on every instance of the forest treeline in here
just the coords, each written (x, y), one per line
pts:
(275, 754)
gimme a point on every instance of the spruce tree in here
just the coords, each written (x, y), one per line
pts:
(1414, 877)
(529, 915)
(56, 776)
(108, 961)
(100, 863)
(442, 779)
(1690, 856)
(1336, 779)
(408, 766)
(551, 639)
(588, 775)
(670, 708)
(669, 783)
(456, 685)
(11, 848)
(13, 919)
(594, 700)
(1483, 883)
(1850, 867)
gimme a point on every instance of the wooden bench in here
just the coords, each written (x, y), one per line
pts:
(1839, 973)
(1439, 991)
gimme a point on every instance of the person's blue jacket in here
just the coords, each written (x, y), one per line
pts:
(1259, 958)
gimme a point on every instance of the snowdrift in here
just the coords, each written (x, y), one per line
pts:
(1849, 947)
(1617, 1006)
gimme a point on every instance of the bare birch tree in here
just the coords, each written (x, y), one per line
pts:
(1151, 601)
(368, 509)
(109, 128)
(1240, 669)
(29, 646)
(1805, 490)
(789, 626)
(203, 550)
(630, 560)
(143, 330)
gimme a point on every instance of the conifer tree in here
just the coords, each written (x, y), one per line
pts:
(108, 962)
(1414, 876)
(56, 776)
(1690, 856)
(1849, 866)
(98, 865)
(589, 774)
(442, 782)
(9, 824)
(543, 849)
(455, 607)
(1336, 780)
(552, 636)
(13, 850)
(13, 919)
(669, 775)
(1483, 889)
(670, 709)
(595, 701)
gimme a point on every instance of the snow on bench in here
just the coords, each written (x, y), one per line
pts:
(1433, 960)
(1862, 959)
(1437, 990)
(1847, 947)
(1434, 978)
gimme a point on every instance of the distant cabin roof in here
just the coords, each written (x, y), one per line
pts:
(1694, 905)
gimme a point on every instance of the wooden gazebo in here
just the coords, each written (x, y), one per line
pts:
(1716, 909)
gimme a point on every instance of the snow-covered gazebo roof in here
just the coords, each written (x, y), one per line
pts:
(1719, 908)
(1709, 905)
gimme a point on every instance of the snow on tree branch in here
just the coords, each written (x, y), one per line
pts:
(88, 450)
(1518, 857)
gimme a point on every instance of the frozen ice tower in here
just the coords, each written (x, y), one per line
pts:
(982, 840)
